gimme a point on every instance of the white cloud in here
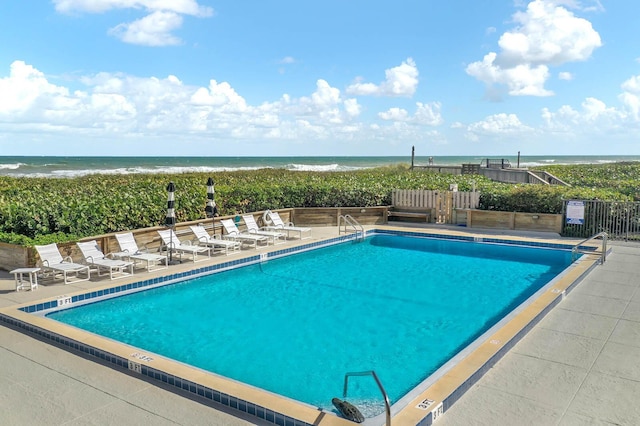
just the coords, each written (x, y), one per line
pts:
(152, 30)
(219, 95)
(521, 79)
(183, 7)
(287, 60)
(565, 76)
(425, 115)
(155, 29)
(497, 125)
(400, 81)
(24, 87)
(124, 106)
(593, 118)
(395, 114)
(630, 98)
(546, 35)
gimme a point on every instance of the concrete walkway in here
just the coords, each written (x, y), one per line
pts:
(579, 366)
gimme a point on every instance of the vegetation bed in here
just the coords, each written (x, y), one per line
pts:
(43, 210)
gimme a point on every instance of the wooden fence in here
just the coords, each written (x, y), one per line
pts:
(439, 205)
(620, 220)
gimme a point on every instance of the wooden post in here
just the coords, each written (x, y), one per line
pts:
(413, 154)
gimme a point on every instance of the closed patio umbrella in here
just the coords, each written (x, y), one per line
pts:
(170, 220)
(211, 209)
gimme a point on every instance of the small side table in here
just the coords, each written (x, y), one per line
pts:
(21, 283)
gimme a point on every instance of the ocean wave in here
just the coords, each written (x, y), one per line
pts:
(141, 170)
(12, 166)
(320, 168)
(71, 173)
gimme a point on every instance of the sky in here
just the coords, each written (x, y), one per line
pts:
(311, 78)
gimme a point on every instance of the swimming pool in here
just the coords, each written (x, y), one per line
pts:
(295, 325)
(421, 405)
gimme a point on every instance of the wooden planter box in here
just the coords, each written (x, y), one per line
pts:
(514, 220)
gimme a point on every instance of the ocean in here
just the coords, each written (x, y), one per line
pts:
(61, 167)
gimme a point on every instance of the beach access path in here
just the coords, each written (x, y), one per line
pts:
(579, 365)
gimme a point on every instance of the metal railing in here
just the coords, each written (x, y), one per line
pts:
(387, 405)
(350, 225)
(576, 249)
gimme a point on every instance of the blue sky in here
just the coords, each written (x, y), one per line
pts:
(256, 78)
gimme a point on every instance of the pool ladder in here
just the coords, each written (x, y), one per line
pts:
(576, 248)
(387, 405)
(347, 224)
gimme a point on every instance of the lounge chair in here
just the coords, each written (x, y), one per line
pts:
(276, 223)
(52, 263)
(171, 242)
(94, 257)
(129, 250)
(253, 228)
(233, 233)
(228, 246)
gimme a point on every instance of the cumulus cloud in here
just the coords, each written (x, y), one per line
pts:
(155, 29)
(497, 125)
(593, 117)
(183, 7)
(152, 30)
(546, 34)
(425, 115)
(400, 81)
(565, 76)
(125, 105)
(630, 97)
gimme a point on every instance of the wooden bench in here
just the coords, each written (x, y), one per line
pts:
(410, 214)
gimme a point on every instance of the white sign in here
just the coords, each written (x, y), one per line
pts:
(575, 212)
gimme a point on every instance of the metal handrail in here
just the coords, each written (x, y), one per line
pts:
(576, 248)
(350, 221)
(387, 405)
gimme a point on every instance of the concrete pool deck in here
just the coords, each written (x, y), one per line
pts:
(579, 365)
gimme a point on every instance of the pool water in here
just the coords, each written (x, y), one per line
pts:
(295, 325)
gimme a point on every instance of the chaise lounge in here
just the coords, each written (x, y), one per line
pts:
(233, 233)
(94, 257)
(52, 263)
(228, 246)
(253, 228)
(277, 224)
(130, 250)
(171, 242)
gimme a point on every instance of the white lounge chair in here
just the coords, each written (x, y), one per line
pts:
(52, 263)
(129, 250)
(275, 222)
(228, 246)
(233, 233)
(253, 228)
(93, 256)
(171, 242)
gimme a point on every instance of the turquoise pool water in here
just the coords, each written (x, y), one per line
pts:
(398, 305)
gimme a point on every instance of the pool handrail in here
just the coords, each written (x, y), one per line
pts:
(348, 220)
(576, 248)
(387, 405)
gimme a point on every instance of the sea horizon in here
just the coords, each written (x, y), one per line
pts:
(76, 166)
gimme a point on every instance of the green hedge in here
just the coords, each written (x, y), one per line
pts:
(42, 210)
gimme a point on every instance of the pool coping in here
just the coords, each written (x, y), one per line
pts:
(422, 409)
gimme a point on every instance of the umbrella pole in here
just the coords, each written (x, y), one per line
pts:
(171, 245)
